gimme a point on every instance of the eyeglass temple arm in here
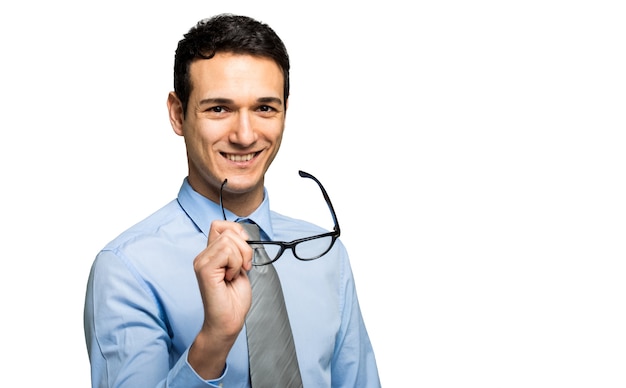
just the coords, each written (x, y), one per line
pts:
(304, 174)
(221, 203)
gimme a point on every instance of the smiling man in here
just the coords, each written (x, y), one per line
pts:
(177, 300)
(233, 125)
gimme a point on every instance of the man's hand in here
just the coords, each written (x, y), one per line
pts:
(226, 296)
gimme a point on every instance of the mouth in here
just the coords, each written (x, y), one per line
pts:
(240, 157)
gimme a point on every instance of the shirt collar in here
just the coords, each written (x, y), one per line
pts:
(203, 211)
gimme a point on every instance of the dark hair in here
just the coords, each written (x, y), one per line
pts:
(226, 33)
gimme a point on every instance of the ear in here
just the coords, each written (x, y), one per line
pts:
(175, 110)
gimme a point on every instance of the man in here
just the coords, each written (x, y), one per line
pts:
(167, 300)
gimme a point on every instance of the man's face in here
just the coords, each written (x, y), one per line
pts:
(234, 123)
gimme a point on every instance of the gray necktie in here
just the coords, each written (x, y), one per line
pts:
(271, 350)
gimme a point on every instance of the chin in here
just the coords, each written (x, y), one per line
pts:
(243, 183)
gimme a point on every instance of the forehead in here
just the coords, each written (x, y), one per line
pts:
(228, 73)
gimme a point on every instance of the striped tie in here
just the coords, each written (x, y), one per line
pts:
(271, 350)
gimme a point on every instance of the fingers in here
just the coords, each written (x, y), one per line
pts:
(227, 251)
(218, 227)
(221, 273)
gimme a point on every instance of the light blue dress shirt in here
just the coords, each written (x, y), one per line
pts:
(143, 307)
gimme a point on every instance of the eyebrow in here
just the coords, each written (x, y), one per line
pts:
(268, 100)
(221, 100)
(218, 100)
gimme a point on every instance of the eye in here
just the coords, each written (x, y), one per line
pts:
(217, 111)
(267, 111)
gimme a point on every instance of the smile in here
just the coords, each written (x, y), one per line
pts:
(240, 158)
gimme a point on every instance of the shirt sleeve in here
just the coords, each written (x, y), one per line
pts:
(127, 335)
(354, 363)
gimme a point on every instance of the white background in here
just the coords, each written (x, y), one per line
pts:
(474, 152)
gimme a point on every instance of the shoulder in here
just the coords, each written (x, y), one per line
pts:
(165, 241)
(163, 222)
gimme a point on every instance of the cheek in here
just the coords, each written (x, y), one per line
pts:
(269, 130)
(276, 131)
(200, 142)
(278, 138)
(206, 134)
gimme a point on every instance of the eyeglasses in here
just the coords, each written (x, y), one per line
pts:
(307, 248)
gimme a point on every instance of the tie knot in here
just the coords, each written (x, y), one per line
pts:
(252, 229)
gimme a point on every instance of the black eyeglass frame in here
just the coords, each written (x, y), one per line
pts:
(292, 244)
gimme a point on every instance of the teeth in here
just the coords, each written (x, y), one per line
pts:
(240, 158)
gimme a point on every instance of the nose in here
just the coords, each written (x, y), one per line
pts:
(243, 131)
